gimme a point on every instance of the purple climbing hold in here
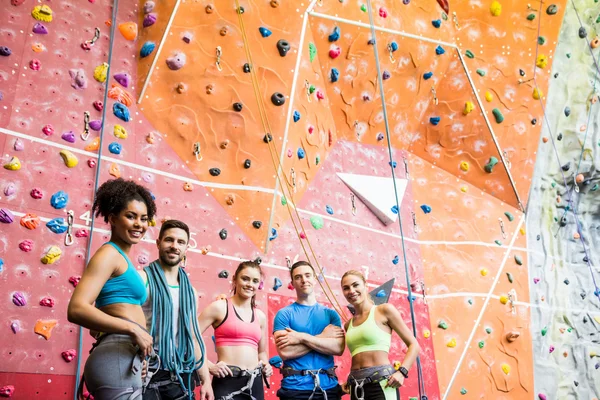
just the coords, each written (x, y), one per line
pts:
(40, 29)
(176, 62)
(380, 137)
(406, 2)
(149, 20)
(148, 7)
(10, 189)
(123, 78)
(5, 51)
(19, 299)
(14, 327)
(386, 75)
(68, 136)
(6, 216)
(187, 37)
(96, 125)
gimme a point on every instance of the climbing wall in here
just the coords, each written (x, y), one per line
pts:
(261, 124)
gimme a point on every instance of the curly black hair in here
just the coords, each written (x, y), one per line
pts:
(112, 197)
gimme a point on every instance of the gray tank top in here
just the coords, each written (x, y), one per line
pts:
(147, 308)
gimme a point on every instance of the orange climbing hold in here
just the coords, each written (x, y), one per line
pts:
(114, 170)
(93, 146)
(579, 178)
(119, 94)
(576, 236)
(30, 221)
(129, 30)
(44, 327)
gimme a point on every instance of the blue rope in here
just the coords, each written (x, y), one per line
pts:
(422, 394)
(96, 184)
(176, 354)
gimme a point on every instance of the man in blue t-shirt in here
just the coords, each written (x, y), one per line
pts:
(308, 335)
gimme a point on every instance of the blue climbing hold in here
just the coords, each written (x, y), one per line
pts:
(434, 120)
(273, 234)
(436, 23)
(59, 200)
(1, 265)
(335, 75)
(381, 293)
(153, 196)
(393, 164)
(276, 362)
(296, 116)
(393, 46)
(411, 298)
(115, 148)
(439, 50)
(301, 153)
(147, 49)
(427, 75)
(57, 225)
(277, 284)
(121, 112)
(396, 260)
(264, 32)
(329, 210)
(395, 209)
(335, 35)
(426, 209)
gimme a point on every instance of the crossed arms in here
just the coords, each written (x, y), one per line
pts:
(292, 344)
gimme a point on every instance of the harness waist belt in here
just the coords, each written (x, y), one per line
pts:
(288, 371)
(372, 374)
(238, 372)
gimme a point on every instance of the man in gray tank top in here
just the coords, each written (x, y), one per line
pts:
(171, 319)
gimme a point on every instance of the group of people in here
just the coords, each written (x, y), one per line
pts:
(148, 327)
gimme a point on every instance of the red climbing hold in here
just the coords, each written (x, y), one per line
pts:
(7, 391)
(69, 355)
(74, 280)
(445, 6)
(47, 302)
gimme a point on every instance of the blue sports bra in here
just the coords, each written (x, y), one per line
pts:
(126, 288)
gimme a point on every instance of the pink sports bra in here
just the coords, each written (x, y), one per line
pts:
(234, 331)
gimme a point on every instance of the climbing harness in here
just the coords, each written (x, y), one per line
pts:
(238, 372)
(69, 235)
(314, 373)
(365, 376)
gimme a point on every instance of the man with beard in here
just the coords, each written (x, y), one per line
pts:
(171, 319)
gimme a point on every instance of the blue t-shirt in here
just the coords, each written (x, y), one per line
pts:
(312, 320)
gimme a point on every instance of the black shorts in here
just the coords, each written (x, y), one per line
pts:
(374, 391)
(167, 389)
(225, 386)
(334, 393)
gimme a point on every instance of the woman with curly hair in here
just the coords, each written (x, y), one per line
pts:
(113, 370)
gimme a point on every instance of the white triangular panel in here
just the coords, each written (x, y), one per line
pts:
(377, 193)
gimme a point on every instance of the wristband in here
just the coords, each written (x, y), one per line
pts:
(404, 372)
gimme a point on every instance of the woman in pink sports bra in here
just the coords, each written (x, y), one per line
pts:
(240, 337)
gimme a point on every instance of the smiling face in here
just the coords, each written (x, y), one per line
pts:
(131, 224)
(303, 280)
(172, 246)
(354, 289)
(246, 282)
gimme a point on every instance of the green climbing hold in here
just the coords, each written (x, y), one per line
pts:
(544, 331)
(363, 8)
(312, 51)
(283, 201)
(518, 260)
(541, 40)
(510, 217)
(489, 167)
(316, 221)
(463, 391)
(510, 277)
(598, 19)
(531, 17)
(488, 330)
(481, 344)
(470, 301)
(480, 72)
(568, 55)
(569, 330)
(499, 243)
(553, 184)
(317, 159)
(311, 89)
(469, 54)
(498, 115)
(443, 325)
(594, 188)
(412, 398)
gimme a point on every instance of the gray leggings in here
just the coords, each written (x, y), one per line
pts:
(114, 369)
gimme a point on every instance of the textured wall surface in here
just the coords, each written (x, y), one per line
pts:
(178, 102)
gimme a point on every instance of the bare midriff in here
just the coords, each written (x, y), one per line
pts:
(370, 359)
(131, 312)
(245, 357)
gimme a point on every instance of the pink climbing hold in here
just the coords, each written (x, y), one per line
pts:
(542, 396)
(26, 245)
(320, 95)
(10, 189)
(47, 302)
(48, 130)
(7, 391)
(335, 51)
(383, 12)
(81, 233)
(290, 153)
(551, 349)
(290, 286)
(74, 280)
(19, 146)
(536, 280)
(35, 64)
(91, 163)
(302, 235)
(98, 105)
(78, 78)
(311, 129)
(18, 299)
(69, 355)
(36, 193)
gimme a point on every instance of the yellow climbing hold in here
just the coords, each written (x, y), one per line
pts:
(120, 132)
(522, 231)
(597, 319)
(537, 94)
(152, 222)
(469, 106)
(593, 354)
(42, 13)
(496, 8)
(14, 164)
(451, 343)
(506, 368)
(542, 61)
(426, 333)
(464, 166)
(489, 97)
(100, 72)
(69, 158)
(464, 189)
(52, 255)
(504, 299)
(483, 272)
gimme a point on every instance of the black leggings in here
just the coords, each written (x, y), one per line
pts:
(374, 391)
(223, 387)
(334, 393)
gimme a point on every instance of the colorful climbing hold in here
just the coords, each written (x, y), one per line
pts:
(489, 167)
(278, 99)
(277, 284)
(427, 75)
(426, 209)
(504, 299)
(435, 120)
(52, 255)
(296, 116)
(518, 259)
(121, 112)
(329, 210)
(59, 200)
(439, 50)
(469, 107)
(57, 225)
(100, 72)
(541, 61)
(335, 51)
(537, 94)
(506, 368)
(265, 32)
(483, 271)
(30, 221)
(312, 51)
(147, 49)
(334, 76)
(451, 343)
(496, 8)
(481, 344)
(426, 333)
(301, 153)
(19, 299)
(176, 61)
(464, 165)
(42, 13)
(120, 132)
(316, 221)
(44, 328)
(6, 216)
(498, 115)
(335, 35)
(129, 30)
(283, 47)
(13, 165)
(115, 148)
(443, 325)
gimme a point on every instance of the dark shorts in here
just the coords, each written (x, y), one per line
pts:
(334, 393)
(162, 387)
(222, 387)
(374, 391)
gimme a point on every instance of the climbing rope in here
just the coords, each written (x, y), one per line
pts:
(176, 354)
(420, 379)
(277, 166)
(570, 192)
